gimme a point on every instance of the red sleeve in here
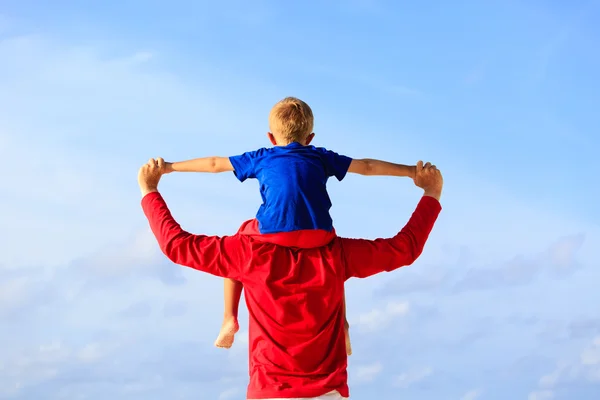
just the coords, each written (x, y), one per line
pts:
(220, 256)
(363, 258)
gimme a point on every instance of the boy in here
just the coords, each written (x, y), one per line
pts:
(292, 177)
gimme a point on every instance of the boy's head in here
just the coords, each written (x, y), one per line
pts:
(291, 120)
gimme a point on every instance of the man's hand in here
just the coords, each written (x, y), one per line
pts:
(429, 178)
(149, 175)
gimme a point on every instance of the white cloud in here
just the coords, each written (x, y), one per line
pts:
(472, 394)
(228, 394)
(562, 252)
(412, 376)
(46, 362)
(240, 345)
(149, 384)
(584, 369)
(124, 258)
(367, 373)
(378, 318)
(92, 352)
(552, 379)
(13, 293)
(541, 395)
(591, 355)
(24, 291)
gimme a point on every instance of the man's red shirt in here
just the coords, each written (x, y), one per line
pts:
(294, 295)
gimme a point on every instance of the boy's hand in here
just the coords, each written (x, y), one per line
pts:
(429, 178)
(413, 172)
(165, 167)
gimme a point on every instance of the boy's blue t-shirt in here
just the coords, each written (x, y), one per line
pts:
(292, 182)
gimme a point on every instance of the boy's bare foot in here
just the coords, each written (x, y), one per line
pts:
(228, 330)
(347, 337)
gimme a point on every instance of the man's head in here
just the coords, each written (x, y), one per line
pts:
(291, 120)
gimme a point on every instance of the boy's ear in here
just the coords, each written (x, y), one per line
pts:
(309, 138)
(272, 138)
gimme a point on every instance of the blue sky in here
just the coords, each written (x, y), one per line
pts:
(501, 95)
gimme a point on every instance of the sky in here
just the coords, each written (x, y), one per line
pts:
(501, 95)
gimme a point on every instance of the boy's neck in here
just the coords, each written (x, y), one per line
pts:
(284, 144)
(279, 141)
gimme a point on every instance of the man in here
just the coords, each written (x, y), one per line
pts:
(294, 296)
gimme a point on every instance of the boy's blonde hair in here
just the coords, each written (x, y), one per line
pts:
(291, 120)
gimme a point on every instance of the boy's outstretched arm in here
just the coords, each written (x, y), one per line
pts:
(367, 166)
(206, 164)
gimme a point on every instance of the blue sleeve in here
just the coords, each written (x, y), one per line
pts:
(244, 165)
(335, 164)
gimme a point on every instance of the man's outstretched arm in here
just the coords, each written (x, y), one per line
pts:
(363, 258)
(220, 256)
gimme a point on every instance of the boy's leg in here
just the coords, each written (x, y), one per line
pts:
(347, 330)
(233, 293)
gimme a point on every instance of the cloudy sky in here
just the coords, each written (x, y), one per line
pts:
(502, 96)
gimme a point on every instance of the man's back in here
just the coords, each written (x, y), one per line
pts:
(296, 321)
(294, 297)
